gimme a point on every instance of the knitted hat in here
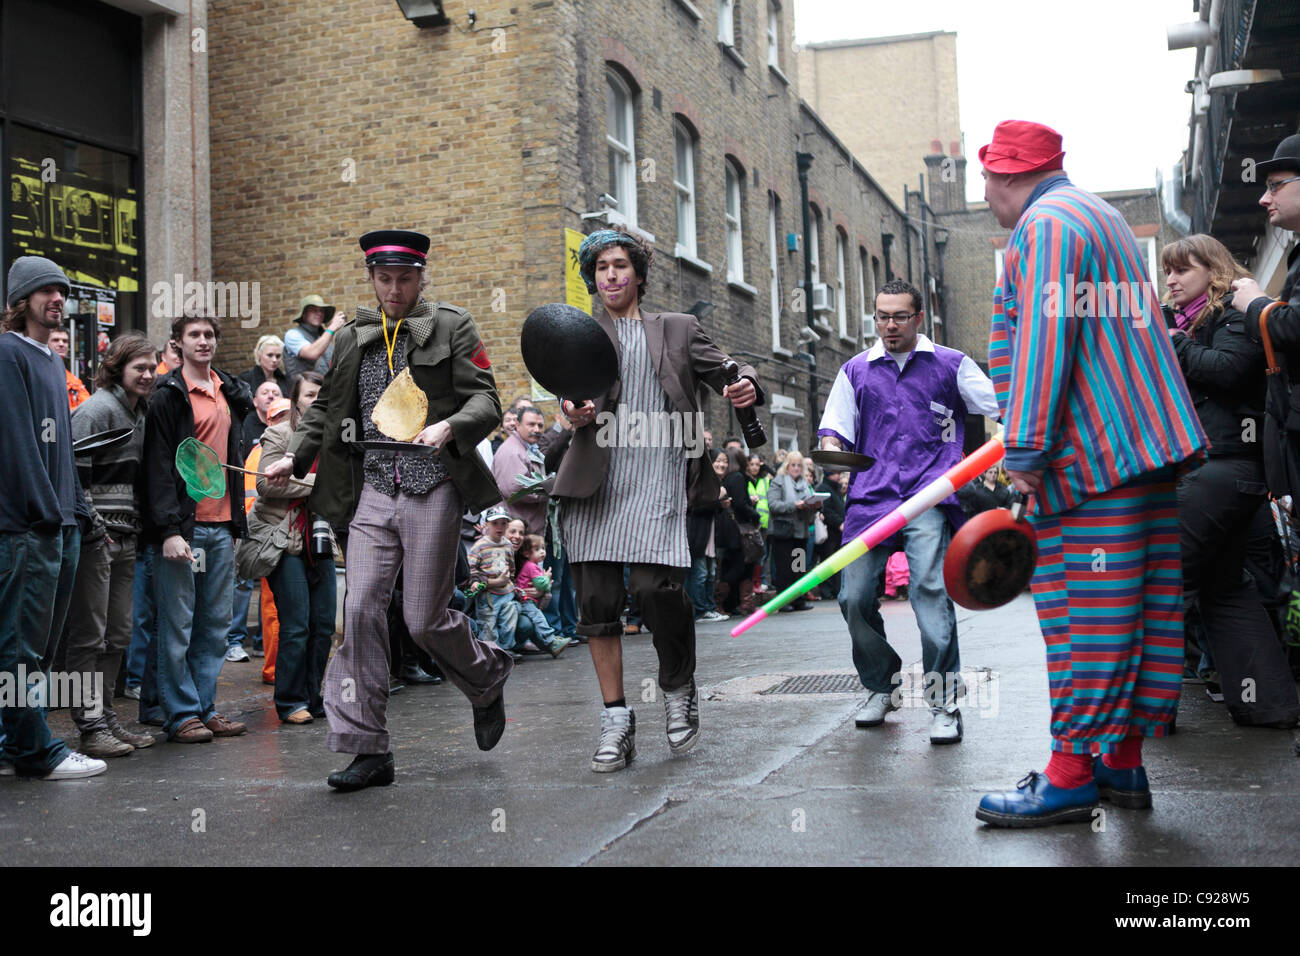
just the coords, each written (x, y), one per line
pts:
(29, 273)
(593, 246)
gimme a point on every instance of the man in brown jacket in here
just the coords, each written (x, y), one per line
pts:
(634, 460)
(402, 511)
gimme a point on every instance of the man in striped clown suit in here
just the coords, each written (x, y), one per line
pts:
(1097, 419)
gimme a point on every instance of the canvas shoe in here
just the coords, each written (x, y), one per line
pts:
(714, 617)
(558, 645)
(617, 747)
(74, 766)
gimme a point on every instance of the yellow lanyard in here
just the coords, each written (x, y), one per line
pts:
(387, 344)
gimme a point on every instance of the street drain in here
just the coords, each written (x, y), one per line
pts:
(816, 684)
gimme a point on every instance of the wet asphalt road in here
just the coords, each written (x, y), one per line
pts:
(777, 779)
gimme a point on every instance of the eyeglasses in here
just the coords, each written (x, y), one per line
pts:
(1273, 187)
(898, 319)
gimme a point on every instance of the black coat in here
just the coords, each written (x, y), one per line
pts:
(254, 377)
(1225, 377)
(166, 507)
(1282, 426)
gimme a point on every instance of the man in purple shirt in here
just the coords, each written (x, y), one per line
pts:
(904, 403)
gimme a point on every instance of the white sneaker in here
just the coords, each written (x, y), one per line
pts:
(945, 725)
(237, 654)
(713, 617)
(873, 712)
(617, 747)
(74, 766)
(682, 708)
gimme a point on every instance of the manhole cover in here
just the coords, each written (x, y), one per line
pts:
(817, 684)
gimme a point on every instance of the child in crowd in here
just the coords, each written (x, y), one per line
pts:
(491, 565)
(530, 551)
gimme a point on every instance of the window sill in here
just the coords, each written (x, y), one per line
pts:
(823, 326)
(686, 258)
(784, 353)
(691, 9)
(850, 340)
(737, 285)
(615, 219)
(776, 71)
(730, 50)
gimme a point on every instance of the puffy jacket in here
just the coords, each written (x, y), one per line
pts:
(1225, 377)
(166, 507)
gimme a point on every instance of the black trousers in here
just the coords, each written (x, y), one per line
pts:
(1217, 504)
(784, 572)
(659, 593)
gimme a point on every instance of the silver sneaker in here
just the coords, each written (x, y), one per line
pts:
(945, 725)
(873, 712)
(102, 743)
(682, 707)
(74, 766)
(617, 746)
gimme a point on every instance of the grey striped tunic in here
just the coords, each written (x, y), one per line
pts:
(638, 515)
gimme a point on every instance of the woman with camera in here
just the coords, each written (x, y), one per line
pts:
(302, 577)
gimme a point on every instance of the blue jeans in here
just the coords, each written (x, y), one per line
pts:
(142, 615)
(37, 569)
(239, 613)
(700, 584)
(925, 542)
(306, 630)
(497, 616)
(562, 612)
(542, 634)
(193, 619)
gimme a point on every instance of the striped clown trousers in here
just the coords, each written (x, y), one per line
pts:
(1109, 595)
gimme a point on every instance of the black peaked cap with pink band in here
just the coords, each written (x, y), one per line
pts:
(395, 247)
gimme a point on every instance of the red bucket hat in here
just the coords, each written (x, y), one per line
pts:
(1022, 147)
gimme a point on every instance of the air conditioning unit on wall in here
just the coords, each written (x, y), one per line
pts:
(823, 298)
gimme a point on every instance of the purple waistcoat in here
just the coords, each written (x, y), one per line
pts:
(904, 418)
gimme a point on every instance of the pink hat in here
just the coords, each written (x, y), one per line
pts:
(1022, 147)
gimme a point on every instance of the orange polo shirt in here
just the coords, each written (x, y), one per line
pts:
(212, 427)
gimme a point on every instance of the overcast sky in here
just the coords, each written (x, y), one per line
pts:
(1099, 72)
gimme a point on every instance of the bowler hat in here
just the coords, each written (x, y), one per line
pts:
(568, 352)
(1286, 156)
(1022, 147)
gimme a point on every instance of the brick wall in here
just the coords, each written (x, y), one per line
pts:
(493, 141)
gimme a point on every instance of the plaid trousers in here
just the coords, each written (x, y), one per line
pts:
(420, 533)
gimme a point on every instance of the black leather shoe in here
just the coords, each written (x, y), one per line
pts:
(367, 770)
(394, 685)
(490, 723)
(415, 674)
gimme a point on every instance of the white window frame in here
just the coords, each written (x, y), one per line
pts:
(868, 302)
(625, 169)
(727, 22)
(735, 226)
(773, 35)
(774, 280)
(841, 307)
(687, 243)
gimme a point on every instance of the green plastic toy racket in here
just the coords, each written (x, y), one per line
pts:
(203, 471)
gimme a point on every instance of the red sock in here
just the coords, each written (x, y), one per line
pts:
(1126, 755)
(1069, 770)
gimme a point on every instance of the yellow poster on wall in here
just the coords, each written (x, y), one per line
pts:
(575, 290)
